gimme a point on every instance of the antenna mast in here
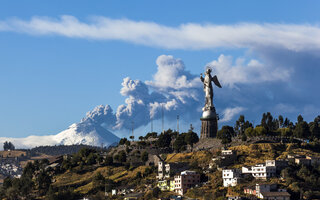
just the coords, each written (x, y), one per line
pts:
(132, 123)
(151, 125)
(178, 124)
(162, 119)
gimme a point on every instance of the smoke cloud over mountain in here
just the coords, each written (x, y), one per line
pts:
(172, 89)
(177, 92)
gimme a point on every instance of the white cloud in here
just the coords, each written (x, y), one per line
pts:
(173, 88)
(250, 72)
(229, 113)
(295, 37)
(171, 73)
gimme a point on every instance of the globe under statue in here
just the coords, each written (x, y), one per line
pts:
(209, 119)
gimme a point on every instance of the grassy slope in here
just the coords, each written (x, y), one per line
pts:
(83, 182)
(12, 154)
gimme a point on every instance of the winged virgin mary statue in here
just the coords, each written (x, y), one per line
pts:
(207, 87)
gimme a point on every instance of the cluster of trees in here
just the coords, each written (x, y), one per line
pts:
(303, 181)
(184, 139)
(167, 139)
(8, 146)
(178, 141)
(271, 126)
(85, 157)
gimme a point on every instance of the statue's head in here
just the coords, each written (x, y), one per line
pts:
(208, 71)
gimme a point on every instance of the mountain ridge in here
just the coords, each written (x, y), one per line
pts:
(85, 132)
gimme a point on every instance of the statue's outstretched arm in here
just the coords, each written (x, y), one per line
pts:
(201, 78)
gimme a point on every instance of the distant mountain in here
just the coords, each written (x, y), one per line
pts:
(85, 132)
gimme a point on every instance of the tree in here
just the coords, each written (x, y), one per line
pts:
(249, 132)
(300, 119)
(301, 130)
(242, 124)
(98, 181)
(12, 193)
(122, 156)
(225, 134)
(191, 137)
(260, 131)
(179, 143)
(7, 183)
(8, 146)
(286, 122)
(268, 122)
(91, 159)
(145, 156)
(43, 181)
(108, 161)
(151, 134)
(26, 184)
(315, 128)
(280, 118)
(286, 132)
(123, 141)
(164, 140)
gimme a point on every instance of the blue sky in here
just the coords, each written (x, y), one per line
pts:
(50, 78)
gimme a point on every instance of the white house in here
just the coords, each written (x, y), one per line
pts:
(261, 171)
(231, 177)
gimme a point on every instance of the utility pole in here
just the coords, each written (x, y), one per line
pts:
(132, 137)
(178, 124)
(162, 114)
(151, 125)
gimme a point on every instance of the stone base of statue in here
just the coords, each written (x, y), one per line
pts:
(209, 125)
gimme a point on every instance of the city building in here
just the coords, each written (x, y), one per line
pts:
(185, 181)
(166, 170)
(166, 185)
(231, 177)
(267, 191)
(304, 160)
(261, 171)
(226, 158)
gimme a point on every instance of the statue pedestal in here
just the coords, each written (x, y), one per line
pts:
(209, 125)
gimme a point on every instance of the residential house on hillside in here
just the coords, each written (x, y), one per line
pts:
(231, 177)
(226, 158)
(304, 160)
(261, 171)
(166, 185)
(185, 181)
(267, 191)
(280, 195)
(166, 170)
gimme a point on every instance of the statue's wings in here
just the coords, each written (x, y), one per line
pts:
(216, 82)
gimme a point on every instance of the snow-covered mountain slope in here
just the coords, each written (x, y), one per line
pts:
(79, 133)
